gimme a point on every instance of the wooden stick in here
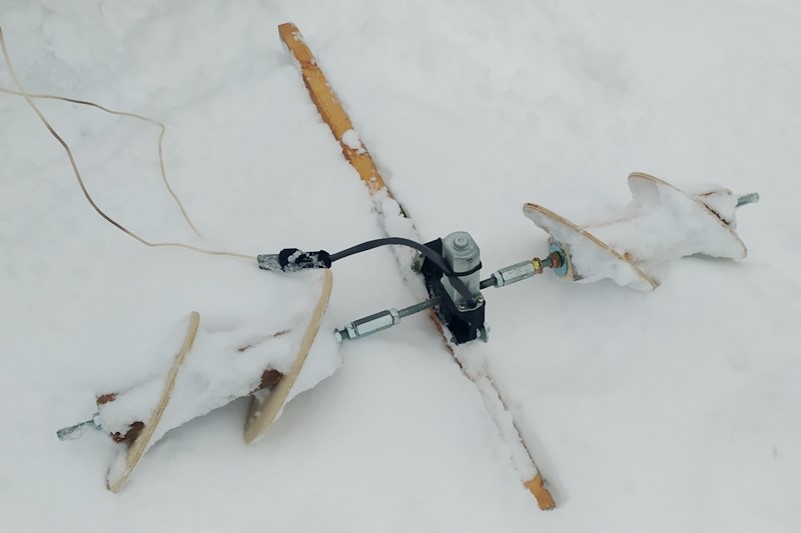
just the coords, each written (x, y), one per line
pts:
(334, 115)
(329, 107)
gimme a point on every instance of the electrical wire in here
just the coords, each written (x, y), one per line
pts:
(29, 99)
(429, 254)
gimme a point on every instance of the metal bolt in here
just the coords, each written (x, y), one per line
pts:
(73, 432)
(747, 199)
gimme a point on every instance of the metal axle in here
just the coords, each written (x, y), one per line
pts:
(74, 432)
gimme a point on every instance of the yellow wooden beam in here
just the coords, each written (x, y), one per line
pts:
(327, 103)
(536, 487)
(331, 110)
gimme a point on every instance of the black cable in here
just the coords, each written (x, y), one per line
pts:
(427, 252)
(292, 259)
(436, 258)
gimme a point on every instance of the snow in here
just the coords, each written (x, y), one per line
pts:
(673, 410)
(351, 139)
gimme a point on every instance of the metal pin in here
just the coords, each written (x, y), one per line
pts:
(748, 199)
(76, 431)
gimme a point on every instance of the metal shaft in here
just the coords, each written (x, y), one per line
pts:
(391, 317)
(747, 199)
(73, 432)
(381, 321)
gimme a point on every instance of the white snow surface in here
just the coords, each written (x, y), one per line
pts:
(674, 410)
(352, 141)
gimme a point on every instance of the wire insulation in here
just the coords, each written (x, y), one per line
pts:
(29, 98)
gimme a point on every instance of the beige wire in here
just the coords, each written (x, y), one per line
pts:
(162, 128)
(29, 98)
(163, 131)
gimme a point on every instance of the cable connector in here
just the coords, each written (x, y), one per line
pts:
(292, 260)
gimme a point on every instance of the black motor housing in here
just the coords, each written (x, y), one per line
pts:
(465, 323)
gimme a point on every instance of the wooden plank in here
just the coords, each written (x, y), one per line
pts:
(536, 486)
(329, 107)
(334, 115)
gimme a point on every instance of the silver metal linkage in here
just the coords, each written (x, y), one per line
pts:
(381, 321)
(500, 278)
(514, 273)
(368, 325)
(748, 199)
(76, 431)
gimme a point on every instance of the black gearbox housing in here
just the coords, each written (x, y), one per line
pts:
(464, 325)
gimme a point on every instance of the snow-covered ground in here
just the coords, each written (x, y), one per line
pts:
(676, 410)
